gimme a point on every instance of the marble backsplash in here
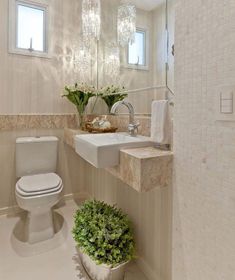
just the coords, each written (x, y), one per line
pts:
(16, 122)
(51, 121)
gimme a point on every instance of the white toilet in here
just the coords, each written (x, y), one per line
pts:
(38, 188)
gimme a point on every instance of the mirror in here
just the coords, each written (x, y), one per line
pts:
(144, 67)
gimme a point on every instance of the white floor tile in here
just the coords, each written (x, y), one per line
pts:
(55, 259)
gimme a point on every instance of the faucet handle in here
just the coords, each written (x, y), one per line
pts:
(137, 124)
(133, 128)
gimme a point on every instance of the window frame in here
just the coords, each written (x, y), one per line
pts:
(146, 49)
(13, 25)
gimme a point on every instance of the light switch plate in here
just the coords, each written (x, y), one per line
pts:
(225, 103)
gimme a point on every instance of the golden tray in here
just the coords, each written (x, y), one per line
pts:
(89, 127)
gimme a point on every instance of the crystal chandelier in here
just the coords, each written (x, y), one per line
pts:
(82, 59)
(112, 61)
(91, 19)
(126, 24)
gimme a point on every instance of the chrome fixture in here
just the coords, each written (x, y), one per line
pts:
(126, 24)
(133, 126)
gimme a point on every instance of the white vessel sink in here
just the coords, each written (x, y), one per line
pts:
(102, 150)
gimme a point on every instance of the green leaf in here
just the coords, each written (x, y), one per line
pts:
(104, 232)
(79, 95)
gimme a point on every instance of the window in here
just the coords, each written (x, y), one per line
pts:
(28, 28)
(30, 36)
(136, 51)
(137, 55)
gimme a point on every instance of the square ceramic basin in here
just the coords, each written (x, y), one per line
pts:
(102, 150)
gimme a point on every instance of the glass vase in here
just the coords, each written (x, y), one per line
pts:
(82, 121)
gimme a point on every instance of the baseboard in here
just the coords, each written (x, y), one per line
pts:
(10, 210)
(15, 209)
(147, 270)
(73, 196)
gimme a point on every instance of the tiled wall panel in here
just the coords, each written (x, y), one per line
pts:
(204, 180)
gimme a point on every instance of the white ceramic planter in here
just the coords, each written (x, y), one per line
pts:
(102, 272)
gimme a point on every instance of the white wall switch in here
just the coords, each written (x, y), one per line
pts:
(225, 103)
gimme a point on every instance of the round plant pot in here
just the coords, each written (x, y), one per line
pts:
(102, 272)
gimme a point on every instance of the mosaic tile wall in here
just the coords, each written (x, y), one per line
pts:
(204, 183)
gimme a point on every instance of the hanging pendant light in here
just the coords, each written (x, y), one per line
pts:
(126, 24)
(91, 19)
(112, 61)
(82, 59)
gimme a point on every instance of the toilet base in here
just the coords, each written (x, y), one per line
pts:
(40, 226)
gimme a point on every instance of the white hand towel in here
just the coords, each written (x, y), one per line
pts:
(160, 122)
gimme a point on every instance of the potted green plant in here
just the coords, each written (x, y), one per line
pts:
(112, 94)
(105, 240)
(79, 95)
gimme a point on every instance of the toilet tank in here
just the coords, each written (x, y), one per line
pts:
(36, 155)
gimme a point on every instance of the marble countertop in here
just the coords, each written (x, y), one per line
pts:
(147, 152)
(141, 168)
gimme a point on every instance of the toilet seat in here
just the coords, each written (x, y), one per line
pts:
(40, 184)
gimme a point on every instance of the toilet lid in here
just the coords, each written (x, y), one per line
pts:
(39, 183)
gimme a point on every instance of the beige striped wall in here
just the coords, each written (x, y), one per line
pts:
(34, 85)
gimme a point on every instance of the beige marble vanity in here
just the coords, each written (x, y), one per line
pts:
(141, 168)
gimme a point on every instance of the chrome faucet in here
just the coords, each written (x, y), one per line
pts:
(133, 126)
